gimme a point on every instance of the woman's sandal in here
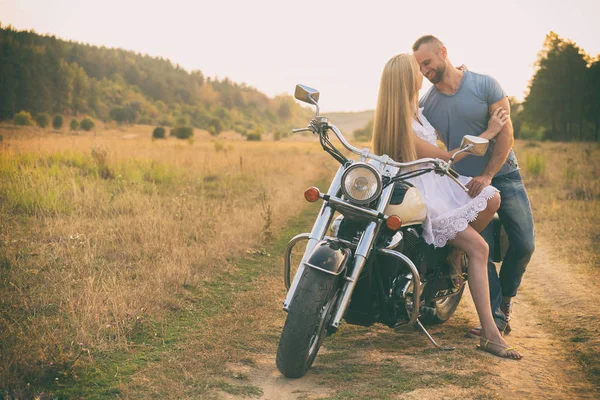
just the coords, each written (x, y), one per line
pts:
(456, 271)
(502, 352)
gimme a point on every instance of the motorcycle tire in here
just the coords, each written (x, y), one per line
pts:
(305, 327)
(444, 308)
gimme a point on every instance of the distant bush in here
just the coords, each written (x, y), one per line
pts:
(158, 133)
(182, 132)
(87, 124)
(57, 122)
(212, 131)
(42, 120)
(277, 135)
(254, 137)
(74, 125)
(23, 119)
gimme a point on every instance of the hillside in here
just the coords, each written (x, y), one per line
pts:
(44, 74)
(348, 122)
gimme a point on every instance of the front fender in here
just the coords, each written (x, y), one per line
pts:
(329, 256)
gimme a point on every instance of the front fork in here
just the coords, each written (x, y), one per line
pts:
(316, 235)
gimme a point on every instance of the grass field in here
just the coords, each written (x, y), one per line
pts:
(102, 236)
(114, 246)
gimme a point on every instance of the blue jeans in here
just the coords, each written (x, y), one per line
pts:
(517, 219)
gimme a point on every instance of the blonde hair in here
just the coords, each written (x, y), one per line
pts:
(396, 106)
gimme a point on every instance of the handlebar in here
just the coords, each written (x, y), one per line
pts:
(441, 165)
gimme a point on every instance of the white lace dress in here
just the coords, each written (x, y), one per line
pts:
(449, 207)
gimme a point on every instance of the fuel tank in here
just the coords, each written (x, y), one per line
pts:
(408, 204)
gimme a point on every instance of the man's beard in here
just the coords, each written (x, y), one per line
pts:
(438, 75)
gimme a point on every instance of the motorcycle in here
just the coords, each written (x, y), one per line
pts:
(369, 264)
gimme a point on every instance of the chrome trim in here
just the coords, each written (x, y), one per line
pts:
(360, 259)
(365, 245)
(365, 153)
(307, 264)
(396, 239)
(344, 204)
(334, 229)
(416, 280)
(373, 170)
(287, 257)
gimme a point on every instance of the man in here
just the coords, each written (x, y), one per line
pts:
(459, 104)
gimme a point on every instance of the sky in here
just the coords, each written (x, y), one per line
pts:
(337, 47)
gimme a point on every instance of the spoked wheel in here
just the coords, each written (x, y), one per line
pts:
(305, 328)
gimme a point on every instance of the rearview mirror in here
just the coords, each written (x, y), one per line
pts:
(478, 145)
(306, 94)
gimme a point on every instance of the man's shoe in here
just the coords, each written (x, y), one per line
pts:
(506, 309)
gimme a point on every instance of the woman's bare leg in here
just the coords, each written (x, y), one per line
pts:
(476, 248)
(484, 217)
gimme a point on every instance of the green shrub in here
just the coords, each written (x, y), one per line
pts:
(254, 137)
(182, 132)
(42, 120)
(74, 125)
(535, 164)
(212, 131)
(158, 133)
(277, 135)
(57, 122)
(23, 119)
(87, 124)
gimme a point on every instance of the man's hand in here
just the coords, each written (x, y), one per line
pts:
(477, 184)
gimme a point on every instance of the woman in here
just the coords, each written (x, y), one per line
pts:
(401, 131)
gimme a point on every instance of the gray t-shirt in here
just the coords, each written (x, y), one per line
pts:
(466, 112)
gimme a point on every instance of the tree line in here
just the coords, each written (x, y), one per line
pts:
(44, 74)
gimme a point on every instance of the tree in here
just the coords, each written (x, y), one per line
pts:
(556, 92)
(57, 122)
(593, 97)
(74, 125)
(42, 120)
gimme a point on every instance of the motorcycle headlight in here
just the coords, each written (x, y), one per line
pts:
(361, 183)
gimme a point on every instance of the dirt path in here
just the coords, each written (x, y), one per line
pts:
(551, 328)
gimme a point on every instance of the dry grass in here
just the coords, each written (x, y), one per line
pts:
(100, 235)
(563, 183)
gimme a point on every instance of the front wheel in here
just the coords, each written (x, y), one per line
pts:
(305, 327)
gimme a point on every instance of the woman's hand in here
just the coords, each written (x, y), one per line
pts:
(497, 121)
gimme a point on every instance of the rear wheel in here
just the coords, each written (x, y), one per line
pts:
(305, 327)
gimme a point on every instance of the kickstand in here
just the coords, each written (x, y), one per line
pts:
(431, 339)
